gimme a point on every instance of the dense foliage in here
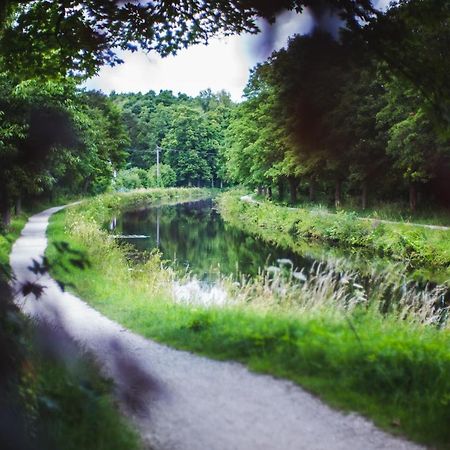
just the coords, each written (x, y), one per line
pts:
(321, 114)
(52, 38)
(187, 133)
(55, 139)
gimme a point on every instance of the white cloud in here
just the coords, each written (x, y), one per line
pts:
(223, 64)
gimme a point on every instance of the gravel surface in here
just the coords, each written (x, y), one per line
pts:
(182, 401)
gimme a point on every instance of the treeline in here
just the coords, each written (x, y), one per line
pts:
(327, 116)
(55, 140)
(185, 134)
(366, 114)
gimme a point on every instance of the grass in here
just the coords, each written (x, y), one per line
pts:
(44, 402)
(8, 237)
(71, 408)
(389, 360)
(396, 211)
(425, 252)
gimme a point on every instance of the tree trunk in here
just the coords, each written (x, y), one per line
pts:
(364, 195)
(86, 184)
(269, 192)
(337, 194)
(18, 206)
(5, 213)
(280, 190)
(260, 190)
(312, 190)
(412, 197)
(293, 189)
(221, 184)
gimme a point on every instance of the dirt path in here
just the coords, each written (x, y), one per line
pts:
(182, 401)
(250, 199)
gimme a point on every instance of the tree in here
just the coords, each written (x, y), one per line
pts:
(417, 151)
(55, 138)
(36, 123)
(167, 176)
(102, 140)
(190, 145)
(323, 111)
(413, 38)
(84, 34)
(255, 143)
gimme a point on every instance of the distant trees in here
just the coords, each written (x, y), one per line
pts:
(188, 133)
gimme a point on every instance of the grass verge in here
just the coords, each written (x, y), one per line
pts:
(71, 407)
(391, 367)
(397, 211)
(8, 237)
(425, 252)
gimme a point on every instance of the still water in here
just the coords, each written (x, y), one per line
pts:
(194, 237)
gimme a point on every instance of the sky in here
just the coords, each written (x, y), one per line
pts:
(222, 64)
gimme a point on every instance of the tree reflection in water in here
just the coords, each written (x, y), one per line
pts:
(194, 236)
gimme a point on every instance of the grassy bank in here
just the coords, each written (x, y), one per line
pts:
(426, 252)
(388, 361)
(45, 403)
(8, 237)
(396, 211)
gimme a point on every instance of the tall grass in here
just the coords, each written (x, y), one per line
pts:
(377, 346)
(326, 288)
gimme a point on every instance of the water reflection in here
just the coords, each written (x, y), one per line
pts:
(194, 236)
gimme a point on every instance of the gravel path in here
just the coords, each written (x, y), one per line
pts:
(182, 401)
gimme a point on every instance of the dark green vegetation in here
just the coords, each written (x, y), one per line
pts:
(388, 360)
(9, 236)
(56, 140)
(187, 132)
(324, 118)
(54, 38)
(71, 407)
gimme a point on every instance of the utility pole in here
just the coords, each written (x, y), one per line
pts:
(158, 149)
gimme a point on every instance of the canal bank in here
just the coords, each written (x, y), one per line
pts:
(389, 368)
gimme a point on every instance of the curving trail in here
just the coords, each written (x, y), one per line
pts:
(182, 401)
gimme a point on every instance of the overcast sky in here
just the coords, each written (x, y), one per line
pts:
(223, 64)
